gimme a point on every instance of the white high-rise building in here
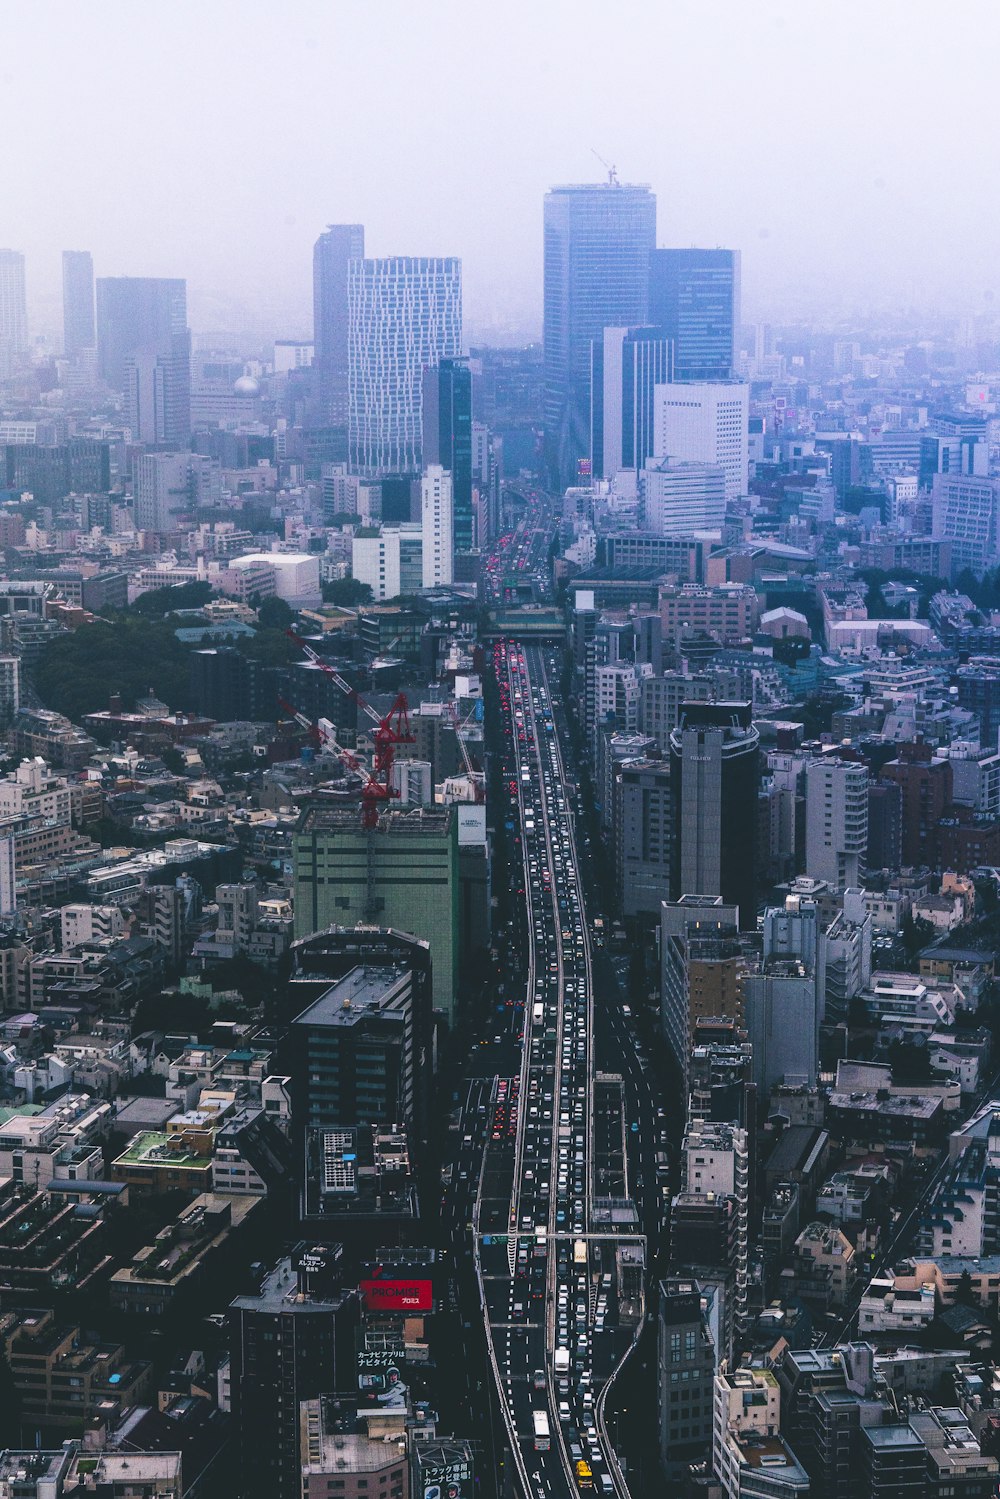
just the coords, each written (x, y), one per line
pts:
(679, 498)
(836, 821)
(389, 559)
(966, 512)
(404, 315)
(437, 527)
(717, 1161)
(706, 423)
(13, 310)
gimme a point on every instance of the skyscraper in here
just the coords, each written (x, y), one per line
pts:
(78, 302)
(404, 314)
(447, 437)
(336, 247)
(13, 310)
(437, 528)
(626, 364)
(706, 423)
(694, 296)
(159, 394)
(598, 242)
(136, 313)
(714, 773)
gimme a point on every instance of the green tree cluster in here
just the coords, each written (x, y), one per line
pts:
(160, 601)
(77, 673)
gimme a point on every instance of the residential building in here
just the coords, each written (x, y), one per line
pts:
(61, 1376)
(716, 1163)
(390, 559)
(404, 315)
(701, 970)
(836, 821)
(437, 528)
(694, 297)
(703, 422)
(598, 239)
(749, 1455)
(292, 1340)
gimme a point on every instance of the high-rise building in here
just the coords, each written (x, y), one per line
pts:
(170, 485)
(679, 498)
(749, 1454)
(139, 314)
(716, 1162)
(965, 511)
(694, 296)
(437, 522)
(292, 1340)
(836, 821)
(333, 252)
(389, 559)
(714, 753)
(701, 971)
(80, 466)
(447, 438)
(706, 423)
(404, 314)
(642, 816)
(686, 1366)
(598, 239)
(159, 394)
(13, 310)
(78, 302)
(405, 873)
(626, 365)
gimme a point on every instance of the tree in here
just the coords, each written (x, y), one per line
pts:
(347, 593)
(965, 1294)
(160, 601)
(127, 655)
(275, 614)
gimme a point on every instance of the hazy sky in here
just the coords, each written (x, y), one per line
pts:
(848, 149)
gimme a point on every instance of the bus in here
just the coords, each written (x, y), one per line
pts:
(584, 1475)
(541, 1423)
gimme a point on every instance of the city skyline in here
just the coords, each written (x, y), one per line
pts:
(856, 231)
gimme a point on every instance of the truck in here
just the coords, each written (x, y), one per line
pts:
(540, 1421)
(561, 1361)
(584, 1475)
(580, 1252)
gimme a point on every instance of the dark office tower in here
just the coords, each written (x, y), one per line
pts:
(626, 364)
(598, 243)
(136, 313)
(332, 253)
(291, 1340)
(694, 296)
(78, 302)
(714, 774)
(447, 424)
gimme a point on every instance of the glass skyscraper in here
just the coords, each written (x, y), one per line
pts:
(333, 252)
(135, 314)
(626, 366)
(447, 420)
(598, 243)
(78, 301)
(694, 297)
(404, 314)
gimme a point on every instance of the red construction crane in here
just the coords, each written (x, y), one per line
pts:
(475, 777)
(391, 729)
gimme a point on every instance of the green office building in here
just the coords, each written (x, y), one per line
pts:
(403, 874)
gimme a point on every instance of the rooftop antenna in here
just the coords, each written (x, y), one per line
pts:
(611, 171)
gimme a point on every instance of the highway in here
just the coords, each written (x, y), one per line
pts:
(559, 1253)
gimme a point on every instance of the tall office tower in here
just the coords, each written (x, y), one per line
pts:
(679, 498)
(332, 254)
(836, 821)
(291, 1340)
(437, 529)
(965, 510)
(694, 296)
(404, 314)
(706, 423)
(447, 438)
(78, 302)
(686, 1365)
(714, 753)
(598, 239)
(159, 395)
(13, 310)
(626, 365)
(136, 313)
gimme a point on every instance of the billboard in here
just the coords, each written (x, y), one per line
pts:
(398, 1295)
(447, 1480)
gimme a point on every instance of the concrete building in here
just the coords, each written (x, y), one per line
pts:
(642, 831)
(749, 1455)
(404, 875)
(701, 970)
(781, 1007)
(437, 528)
(686, 1367)
(352, 1464)
(714, 770)
(965, 510)
(716, 1163)
(626, 365)
(679, 498)
(390, 560)
(404, 315)
(729, 612)
(702, 422)
(836, 821)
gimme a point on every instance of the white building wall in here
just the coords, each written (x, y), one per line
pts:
(706, 423)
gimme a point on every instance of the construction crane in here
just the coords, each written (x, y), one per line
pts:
(476, 778)
(321, 733)
(611, 171)
(391, 729)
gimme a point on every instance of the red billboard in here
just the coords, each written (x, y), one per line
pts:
(398, 1295)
